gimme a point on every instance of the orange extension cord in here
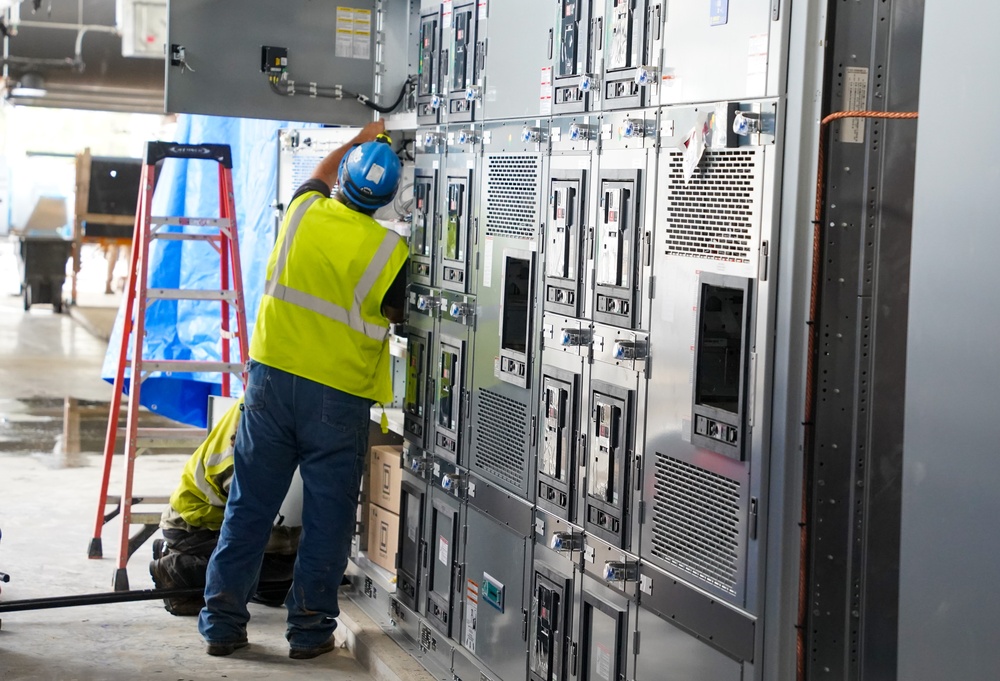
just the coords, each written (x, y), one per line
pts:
(810, 406)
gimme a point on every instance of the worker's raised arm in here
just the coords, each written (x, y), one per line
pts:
(328, 167)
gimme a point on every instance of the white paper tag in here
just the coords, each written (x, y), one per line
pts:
(694, 147)
(446, 13)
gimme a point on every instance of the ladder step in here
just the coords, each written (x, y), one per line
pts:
(162, 438)
(184, 236)
(115, 498)
(190, 366)
(180, 221)
(146, 518)
(190, 294)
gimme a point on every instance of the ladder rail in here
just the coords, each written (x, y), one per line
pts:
(224, 251)
(96, 549)
(135, 385)
(241, 312)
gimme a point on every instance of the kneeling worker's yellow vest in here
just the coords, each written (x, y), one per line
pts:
(200, 499)
(321, 313)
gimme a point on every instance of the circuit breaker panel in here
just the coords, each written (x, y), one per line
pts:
(565, 225)
(465, 58)
(574, 55)
(429, 69)
(424, 226)
(591, 229)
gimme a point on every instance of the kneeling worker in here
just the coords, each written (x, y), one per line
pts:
(191, 523)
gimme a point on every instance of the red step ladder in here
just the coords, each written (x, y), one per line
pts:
(222, 236)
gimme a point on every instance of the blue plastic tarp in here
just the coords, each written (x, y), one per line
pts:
(190, 330)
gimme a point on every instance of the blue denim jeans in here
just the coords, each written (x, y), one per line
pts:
(288, 421)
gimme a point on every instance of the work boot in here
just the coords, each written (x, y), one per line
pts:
(309, 653)
(223, 649)
(162, 579)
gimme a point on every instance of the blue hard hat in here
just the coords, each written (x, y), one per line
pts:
(369, 175)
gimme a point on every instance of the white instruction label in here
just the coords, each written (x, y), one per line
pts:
(362, 34)
(443, 550)
(471, 613)
(488, 263)
(855, 99)
(545, 93)
(354, 33)
(757, 65)
(446, 14)
(603, 666)
(345, 32)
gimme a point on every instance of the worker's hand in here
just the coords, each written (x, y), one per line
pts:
(371, 131)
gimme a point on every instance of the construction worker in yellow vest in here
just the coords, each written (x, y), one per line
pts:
(319, 360)
(190, 525)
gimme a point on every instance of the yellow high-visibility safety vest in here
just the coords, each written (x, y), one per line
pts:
(321, 314)
(200, 499)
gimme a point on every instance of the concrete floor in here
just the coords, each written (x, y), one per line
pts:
(47, 514)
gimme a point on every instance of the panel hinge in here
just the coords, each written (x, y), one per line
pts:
(534, 421)
(764, 259)
(642, 512)
(753, 517)
(477, 261)
(775, 9)
(524, 625)
(635, 642)
(652, 287)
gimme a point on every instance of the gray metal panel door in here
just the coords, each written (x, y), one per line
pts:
(518, 47)
(495, 562)
(948, 601)
(711, 56)
(223, 74)
(667, 653)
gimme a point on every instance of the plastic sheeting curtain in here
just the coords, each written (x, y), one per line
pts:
(190, 329)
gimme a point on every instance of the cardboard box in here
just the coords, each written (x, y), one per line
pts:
(383, 537)
(385, 476)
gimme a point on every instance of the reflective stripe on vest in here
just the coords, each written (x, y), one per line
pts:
(351, 318)
(201, 480)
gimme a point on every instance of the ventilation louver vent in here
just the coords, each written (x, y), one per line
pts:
(501, 446)
(696, 522)
(716, 213)
(512, 196)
